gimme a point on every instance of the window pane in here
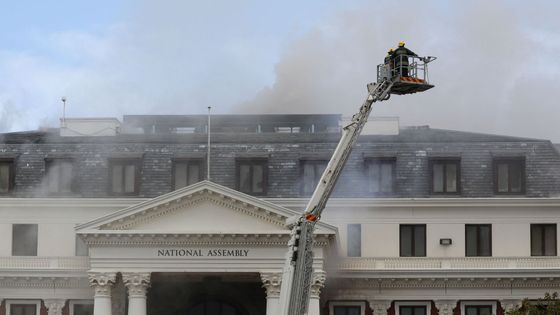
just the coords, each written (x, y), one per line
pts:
(117, 179)
(471, 240)
(244, 178)
(180, 175)
(485, 310)
(4, 177)
(503, 177)
(53, 171)
(23, 309)
(406, 310)
(83, 309)
(194, 173)
(419, 310)
(485, 240)
(354, 240)
(65, 181)
(258, 179)
(470, 310)
(438, 177)
(550, 240)
(536, 240)
(386, 177)
(406, 240)
(419, 240)
(374, 177)
(129, 178)
(81, 247)
(451, 177)
(24, 240)
(308, 178)
(340, 310)
(515, 172)
(354, 310)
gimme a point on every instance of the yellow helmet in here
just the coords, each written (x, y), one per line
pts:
(401, 44)
(391, 51)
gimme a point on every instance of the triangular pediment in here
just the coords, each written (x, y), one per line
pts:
(206, 208)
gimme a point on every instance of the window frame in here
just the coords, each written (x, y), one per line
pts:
(360, 304)
(413, 247)
(427, 304)
(381, 160)
(251, 162)
(9, 304)
(72, 303)
(445, 162)
(48, 164)
(478, 242)
(12, 175)
(315, 162)
(510, 161)
(137, 162)
(199, 161)
(36, 239)
(464, 304)
(543, 238)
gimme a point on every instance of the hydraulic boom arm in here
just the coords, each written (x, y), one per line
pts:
(296, 279)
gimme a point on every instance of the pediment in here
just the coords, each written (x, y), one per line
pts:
(206, 208)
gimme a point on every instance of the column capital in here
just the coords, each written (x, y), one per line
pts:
(102, 282)
(137, 283)
(445, 307)
(510, 304)
(54, 306)
(272, 282)
(317, 283)
(379, 307)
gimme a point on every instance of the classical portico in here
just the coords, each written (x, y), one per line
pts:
(197, 242)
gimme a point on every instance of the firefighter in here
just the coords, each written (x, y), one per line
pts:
(400, 57)
(389, 63)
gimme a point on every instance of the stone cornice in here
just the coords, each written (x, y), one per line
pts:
(144, 239)
(424, 202)
(37, 282)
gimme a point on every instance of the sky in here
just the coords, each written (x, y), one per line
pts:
(497, 69)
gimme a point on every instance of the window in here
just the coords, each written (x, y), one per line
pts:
(412, 310)
(381, 174)
(81, 247)
(478, 310)
(24, 240)
(6, 176)
(478, 240)
(543, 239)
(186, 172)
(354, 240)
(509, 176)
(347, 310)
(413, 240)
(22, 307)
(311, 174)
(445, 176)
(252, 176)
(124, 176)
(59, 176)
(81, 307)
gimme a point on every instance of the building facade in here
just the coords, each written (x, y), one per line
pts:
(103, 217)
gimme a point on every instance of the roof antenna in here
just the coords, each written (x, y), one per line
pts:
(208, 154)
(63, 99)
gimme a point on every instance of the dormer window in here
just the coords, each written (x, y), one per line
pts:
(509, 176)
(59, 174)
(6, 175)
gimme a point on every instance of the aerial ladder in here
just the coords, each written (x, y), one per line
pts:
(404, 74)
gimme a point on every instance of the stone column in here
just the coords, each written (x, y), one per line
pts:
(54, 306)
(510, 304)
(137, 285)
(379, 307)
(317, 283)
(272, 282)
(445, 307)
(102, 283)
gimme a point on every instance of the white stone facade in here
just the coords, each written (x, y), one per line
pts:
(207, 233)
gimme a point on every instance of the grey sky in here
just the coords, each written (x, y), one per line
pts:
(497, 70)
